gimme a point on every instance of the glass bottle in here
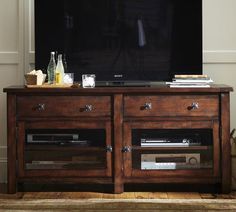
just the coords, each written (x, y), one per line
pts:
(59, 70)
(51, 69)
(65, 63)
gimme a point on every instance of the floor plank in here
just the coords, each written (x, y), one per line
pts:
(141, 195)
(41, 195)
(157, 195)
(207, 196)
(125, 195)
(183, 195)
(81, 195)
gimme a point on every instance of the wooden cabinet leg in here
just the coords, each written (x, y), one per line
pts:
(11, 186)
(225, 188)
(118, 188)
(118, 141)
(11, 144)
(225, 144)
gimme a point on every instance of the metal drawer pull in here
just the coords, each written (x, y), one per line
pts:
(193, 106)
(109, 148)
(126, 149)
(88, 108)
(40, 107)
(147, 106)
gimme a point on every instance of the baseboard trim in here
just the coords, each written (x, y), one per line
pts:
(3, 168)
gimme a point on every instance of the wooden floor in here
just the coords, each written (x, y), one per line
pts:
(101, 195)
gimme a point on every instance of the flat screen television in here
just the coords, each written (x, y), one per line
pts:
(121, 40)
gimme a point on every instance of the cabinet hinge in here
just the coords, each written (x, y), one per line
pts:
(126, 149)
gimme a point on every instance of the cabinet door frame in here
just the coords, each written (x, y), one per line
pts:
(127, 156)
(23, 125)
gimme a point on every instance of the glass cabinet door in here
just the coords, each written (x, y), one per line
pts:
(190, 148)
(71, 149)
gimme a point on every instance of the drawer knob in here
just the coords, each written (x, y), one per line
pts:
(193, 106)
(40, 107)
(88, 108)
(109, 148)
(147, 106)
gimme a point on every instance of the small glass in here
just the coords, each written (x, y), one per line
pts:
(88, 80)
(68, 78)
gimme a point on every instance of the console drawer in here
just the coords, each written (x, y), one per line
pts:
(171, 105)
(66, 106)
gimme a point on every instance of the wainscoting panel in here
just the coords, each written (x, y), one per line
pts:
(3, 163)
(219, 56)
(29, 46)
(9, 14)
(9, 74)
(11, 64)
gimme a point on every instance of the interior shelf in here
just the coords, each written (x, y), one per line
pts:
(75, 148)
(78, 165)
(139, 148)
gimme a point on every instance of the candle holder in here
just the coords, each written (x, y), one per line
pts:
(88, 80)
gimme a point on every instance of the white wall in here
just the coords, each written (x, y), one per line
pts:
(17, 51)
(219, 43)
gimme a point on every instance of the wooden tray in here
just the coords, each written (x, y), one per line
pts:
(46, 85)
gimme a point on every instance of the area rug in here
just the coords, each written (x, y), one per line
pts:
(119, 205)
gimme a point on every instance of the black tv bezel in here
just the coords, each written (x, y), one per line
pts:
(121, 81)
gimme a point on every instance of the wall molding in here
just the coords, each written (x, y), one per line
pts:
(29, 54)
(3, 164)
(9, 58)
(3, 154)
(219, 56)
(3, 168)
(31, 57)
(21, 41)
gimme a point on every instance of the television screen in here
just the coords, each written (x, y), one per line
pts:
(121, 40)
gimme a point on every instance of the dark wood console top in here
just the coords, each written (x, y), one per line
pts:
(159, 88)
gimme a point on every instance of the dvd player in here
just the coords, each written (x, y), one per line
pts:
(155, 142)
(61, 139)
